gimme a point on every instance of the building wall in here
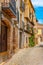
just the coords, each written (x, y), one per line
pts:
(15, 39)
(40, 32)
(20, 25)
(7, 54)
(10, 37)
(17, 31)
(29, 15)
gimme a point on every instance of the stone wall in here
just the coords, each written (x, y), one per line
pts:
(15, 39)
(7, 54)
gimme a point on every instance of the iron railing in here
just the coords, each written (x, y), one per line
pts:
(11, 4)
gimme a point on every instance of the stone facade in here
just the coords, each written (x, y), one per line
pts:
(15, 39)
(40, 32)
(8, 20)
(8, 53)
(19, 24)
(29, 16)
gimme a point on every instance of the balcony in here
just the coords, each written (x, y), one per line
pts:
(22, 6)
(29, 29)
(9, 7)
(35, 31)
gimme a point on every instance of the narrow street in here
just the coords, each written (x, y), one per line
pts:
(21, 32)
(28, 56)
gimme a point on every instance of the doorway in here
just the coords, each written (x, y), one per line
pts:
(20, 42)
(3, 42)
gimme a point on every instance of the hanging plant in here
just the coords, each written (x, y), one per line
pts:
(31, 40)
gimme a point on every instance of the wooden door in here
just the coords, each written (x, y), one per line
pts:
(20, 40)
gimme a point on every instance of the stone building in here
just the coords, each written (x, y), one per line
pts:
(9, 30)
(21, 8)
(26, 21)
(29, 20)
(35, 31)
(40, 33)
(16, 24)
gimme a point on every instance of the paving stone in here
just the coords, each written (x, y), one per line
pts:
(28, 56)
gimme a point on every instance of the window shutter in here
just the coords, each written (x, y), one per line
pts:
(17, 15)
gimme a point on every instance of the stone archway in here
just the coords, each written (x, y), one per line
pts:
(9, 37)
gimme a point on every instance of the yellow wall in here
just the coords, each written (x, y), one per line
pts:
(39, 31)
(26, 13)
(28, 9)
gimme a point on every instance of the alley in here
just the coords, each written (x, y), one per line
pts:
(29, 56)
(21, 32)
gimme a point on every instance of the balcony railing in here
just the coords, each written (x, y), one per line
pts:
(29, 29)
(22, 5)
(9, 6)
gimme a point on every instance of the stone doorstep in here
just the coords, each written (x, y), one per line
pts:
(16, 51)
(2, 63)
(3, 57)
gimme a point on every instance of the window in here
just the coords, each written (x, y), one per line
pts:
(41, 39)
(33, 16)
(22, 5)
(17, 15)
(30, 14)
(26, 39)
(23, 24)
(28, 27)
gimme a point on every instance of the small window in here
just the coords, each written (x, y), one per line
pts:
(26, 39)
(30, 14)
(23, 24)
(17, 15)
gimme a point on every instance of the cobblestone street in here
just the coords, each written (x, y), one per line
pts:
(21, 32)
(29, 56)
